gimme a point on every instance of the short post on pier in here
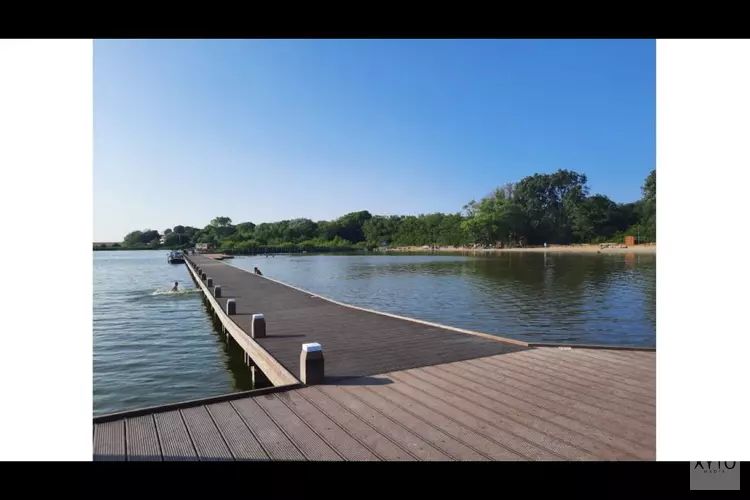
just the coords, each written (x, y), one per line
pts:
(258, 326)
(203, 276)
(231, 307)
(209, 282)
(311, 364)
(217, 291)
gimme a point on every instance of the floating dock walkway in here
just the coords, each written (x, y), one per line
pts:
(373, 386)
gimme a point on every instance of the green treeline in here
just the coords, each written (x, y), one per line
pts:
(553, 208)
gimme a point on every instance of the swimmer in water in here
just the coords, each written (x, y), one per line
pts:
(174, 288)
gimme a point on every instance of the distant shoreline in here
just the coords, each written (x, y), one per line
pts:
(587, 249)
(649, 249)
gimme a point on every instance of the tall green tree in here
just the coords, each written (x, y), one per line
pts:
(594, 217)
(553, 208)
(221, 221)
(547, 201)
(150, 235)
(493, 219)
(133, 238)
(246, 229)
(648, 208)
(350, 226)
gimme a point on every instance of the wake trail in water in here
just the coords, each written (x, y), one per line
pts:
(178, 293)
(162, 294)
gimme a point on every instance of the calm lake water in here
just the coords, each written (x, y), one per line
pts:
(153, 347)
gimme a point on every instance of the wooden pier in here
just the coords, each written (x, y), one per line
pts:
(393, 389)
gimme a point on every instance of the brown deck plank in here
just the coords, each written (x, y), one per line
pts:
(453, 448)
(506, 407)
(624, 446)
(522, 380)
(339, 439)
(632, 355)
(536, 376)
(175, 441)
(356, 343)
(488, 447)
(356, 427)
(632, 376)
(554, 430)
(534, 439)
(406, 439)
(239, 439)
(274, 441)
(562, 361)
(645, 360)
(632, 398)
(143, 442)
(208, 441)
(570, 399)
(385, 398)
(564, 407)
(308, 442)
(109, 441)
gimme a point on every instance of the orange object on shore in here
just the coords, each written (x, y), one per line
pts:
(630, 241)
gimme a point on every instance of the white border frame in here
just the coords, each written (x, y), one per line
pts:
(703, 156)
(46, 154)
(46, 149)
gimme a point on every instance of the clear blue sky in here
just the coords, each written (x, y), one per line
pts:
(265, 130)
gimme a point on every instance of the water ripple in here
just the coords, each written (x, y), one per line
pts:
(153, 347)
(598, 299)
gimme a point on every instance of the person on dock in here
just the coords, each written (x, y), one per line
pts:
(257, 271)
(174, 288)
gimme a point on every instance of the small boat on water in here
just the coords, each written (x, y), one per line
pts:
(176, 257)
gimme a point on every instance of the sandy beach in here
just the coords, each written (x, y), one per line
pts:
(650, 248)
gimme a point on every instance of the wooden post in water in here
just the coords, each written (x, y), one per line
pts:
(258, 326)
(217, 291)
(259, 378)
(311, 364)
(231, 307)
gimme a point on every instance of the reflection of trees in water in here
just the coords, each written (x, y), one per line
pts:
(562, 293)
(375, 269)
(535, 289)
(536, 296)
(649, 296)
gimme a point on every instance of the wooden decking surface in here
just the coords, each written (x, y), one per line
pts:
(355, 343)
(535, 404)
